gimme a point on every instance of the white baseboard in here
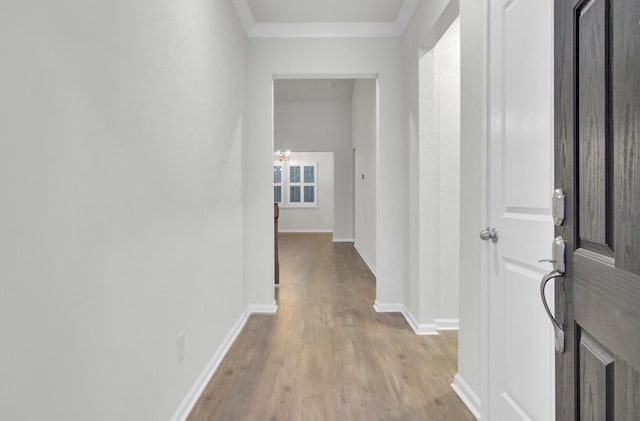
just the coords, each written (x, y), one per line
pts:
(419, 328)
(447, 324)
(387, 308)
(304, 231)
(196, 390)
(342, 240)
(467, 395)
(366, 261)
(192, 397)
(263, 308)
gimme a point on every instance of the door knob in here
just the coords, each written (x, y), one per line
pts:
(489, 234)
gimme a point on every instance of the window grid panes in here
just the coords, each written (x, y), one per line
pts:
(295, 184)
(309, 174)
(277, 174)
(294, 194)
(309, 194)
(277, 194)
(294, 174)
(277, 183)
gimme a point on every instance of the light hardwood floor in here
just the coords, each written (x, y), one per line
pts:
(327, 355)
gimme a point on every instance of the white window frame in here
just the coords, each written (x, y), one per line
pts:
(287, 184)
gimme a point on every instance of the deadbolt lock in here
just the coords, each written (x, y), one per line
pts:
(557, 206)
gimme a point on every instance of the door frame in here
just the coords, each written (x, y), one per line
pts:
(471, 383)
(485, 251)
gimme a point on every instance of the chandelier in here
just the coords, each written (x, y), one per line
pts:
(282, 156)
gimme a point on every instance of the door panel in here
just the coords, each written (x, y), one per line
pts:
(596, 367)
(593, 128)
(526, 113)
(597, 108)
(626, 126)
(521, 162)
(522, 363)
(627, 401)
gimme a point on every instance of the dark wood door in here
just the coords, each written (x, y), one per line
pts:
(597, 163)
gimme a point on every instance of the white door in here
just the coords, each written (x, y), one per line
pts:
(521, 350)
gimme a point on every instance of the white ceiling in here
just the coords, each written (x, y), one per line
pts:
(313, 90)
(324, 18)
(299, 11)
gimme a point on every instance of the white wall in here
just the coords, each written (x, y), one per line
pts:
(121, 219)
(439, 182)
(364, 142)
(352, 58)
(429, 300)
(447, 98)
(320, 218)
(428, 25)
(322, 126)
(471, 379)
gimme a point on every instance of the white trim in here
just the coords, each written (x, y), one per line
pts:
(467, 395)
(196, 390)
(366, 260)
(203, 380)
(405, 14)
(387, 308)
(328, 29)
(342, 240)
(244, 13)
(419, 328)
(306, 76)
(263, 308)
(484, 269)
(305, 231)
(447, 324)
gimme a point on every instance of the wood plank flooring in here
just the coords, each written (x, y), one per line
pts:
(327, 355)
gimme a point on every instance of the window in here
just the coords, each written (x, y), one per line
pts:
(295, 184)
(277, 182)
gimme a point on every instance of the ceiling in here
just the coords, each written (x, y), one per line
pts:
(297, 11)
(325, 18)
(313, 90)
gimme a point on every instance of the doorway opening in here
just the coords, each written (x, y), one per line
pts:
(326, 182)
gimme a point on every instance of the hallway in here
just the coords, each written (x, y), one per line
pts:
(327, 355)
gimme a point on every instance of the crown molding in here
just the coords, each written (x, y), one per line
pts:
(325, 30)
